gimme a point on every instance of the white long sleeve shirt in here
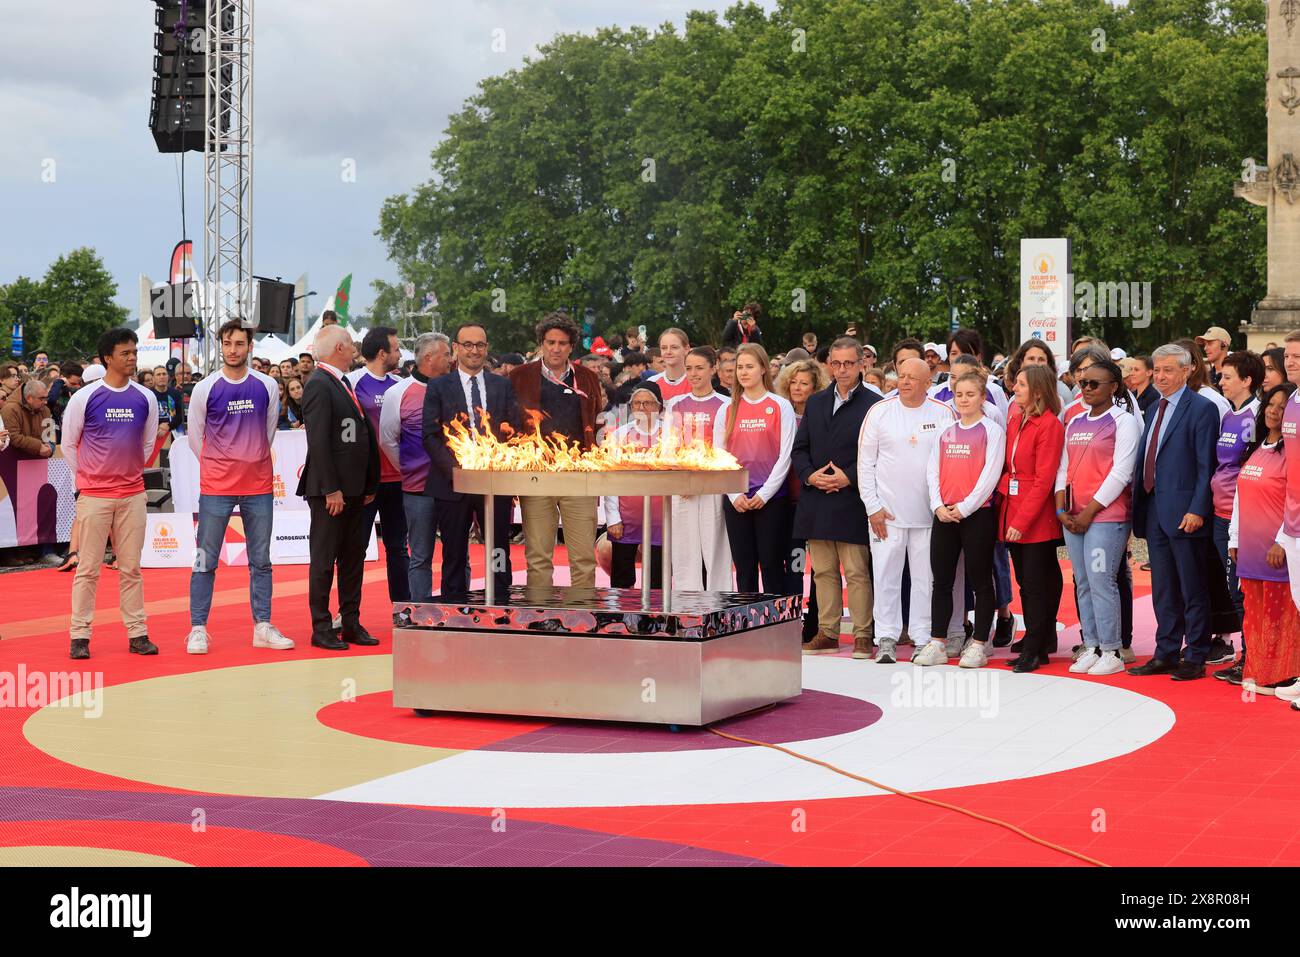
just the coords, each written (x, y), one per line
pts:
(894, 446)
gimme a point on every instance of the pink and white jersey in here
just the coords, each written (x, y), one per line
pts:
(401, 432)
(370, 390)
(1261, 495)
(965, 465)
(231, 427)
(1236, 431)
(1097, 463)
(1291, 443)
(693, 417)
(108, 436)
(627, 510)
(761, 440)
(669, 389)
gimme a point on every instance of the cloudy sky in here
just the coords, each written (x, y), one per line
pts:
(336, 80)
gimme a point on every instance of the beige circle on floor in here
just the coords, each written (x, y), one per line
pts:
(247, 729)
(39, 855)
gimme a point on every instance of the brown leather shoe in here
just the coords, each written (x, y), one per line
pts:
(863, 647)
(822, 645)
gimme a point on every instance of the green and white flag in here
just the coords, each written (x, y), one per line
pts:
(341, 298)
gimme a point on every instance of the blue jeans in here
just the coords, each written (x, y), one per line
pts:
(421, 531)
(257, 512)
(1095, 557)
(1234, 587)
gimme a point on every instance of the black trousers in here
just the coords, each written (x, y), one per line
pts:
(622, 566)
(336, 541)
(454, 518)
(388, 505)
(973, 537)
(759, 540)
(1039, 576)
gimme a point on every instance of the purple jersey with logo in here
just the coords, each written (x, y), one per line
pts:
(111, 434)
(1235, 433)
(233, 423)
(1291, 437)
(370, 394)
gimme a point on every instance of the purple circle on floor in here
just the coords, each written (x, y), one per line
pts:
(814, 714)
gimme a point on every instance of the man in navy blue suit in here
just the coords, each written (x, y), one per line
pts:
(1172, 507)
(467, 390)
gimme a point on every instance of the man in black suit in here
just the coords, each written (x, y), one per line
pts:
(468, 390)
(830, 515)
(339, 478)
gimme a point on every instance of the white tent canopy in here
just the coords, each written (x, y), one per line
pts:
(274, 349)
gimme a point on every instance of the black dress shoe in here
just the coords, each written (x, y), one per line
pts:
(1042, 660)
(1004, 633)
(1026, 663)
(1156, 666)
(80, 648)
(1187, 671)
(359, 637)
(328, 642)
(141, 645)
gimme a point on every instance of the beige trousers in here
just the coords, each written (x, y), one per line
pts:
(542, 515)
(827, 558)
(96, 518)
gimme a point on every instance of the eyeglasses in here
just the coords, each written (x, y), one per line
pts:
(837, 364)
(1092, 383)
(472, 345)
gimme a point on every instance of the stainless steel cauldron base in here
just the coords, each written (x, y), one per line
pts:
(603, 657)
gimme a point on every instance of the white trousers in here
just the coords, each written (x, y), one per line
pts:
(700, 544)
(910, 545)
(1292, 547)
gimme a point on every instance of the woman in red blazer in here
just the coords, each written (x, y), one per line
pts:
(1027, 521)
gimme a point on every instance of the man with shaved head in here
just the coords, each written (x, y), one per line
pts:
(893, 457)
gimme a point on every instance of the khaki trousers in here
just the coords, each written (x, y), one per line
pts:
(827, 558)
(96, 518)
(542, 515)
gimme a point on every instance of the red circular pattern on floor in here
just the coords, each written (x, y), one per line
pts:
(812, 715)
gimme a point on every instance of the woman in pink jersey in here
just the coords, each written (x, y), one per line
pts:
(965, 465)
(1094, 504)
(758, 429)
(1271, 626)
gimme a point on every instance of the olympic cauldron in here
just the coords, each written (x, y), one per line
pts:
(612, 654)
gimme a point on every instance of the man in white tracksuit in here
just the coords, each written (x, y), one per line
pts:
(893, 457)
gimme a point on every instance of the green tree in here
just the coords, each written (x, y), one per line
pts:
(849, 161)
(80, 293)
(22, 299)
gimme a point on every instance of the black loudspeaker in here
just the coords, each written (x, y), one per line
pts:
(176, 109)
(172, 308)
(273, 310)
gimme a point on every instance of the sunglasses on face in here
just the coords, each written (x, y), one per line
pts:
(1093, 383)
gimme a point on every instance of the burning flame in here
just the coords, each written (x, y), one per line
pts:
(533, 452)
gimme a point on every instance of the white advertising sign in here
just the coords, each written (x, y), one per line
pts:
(1046, 296)
(168, 541)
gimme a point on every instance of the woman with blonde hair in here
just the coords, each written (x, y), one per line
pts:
(758, 429)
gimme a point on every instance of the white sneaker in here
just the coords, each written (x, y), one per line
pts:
(1109, 663)
(954, 645)
(1290, 693)
(197, 642)
(933, 653)
(266, 635)
(974, 656)
(1083, 664)
(886, 651)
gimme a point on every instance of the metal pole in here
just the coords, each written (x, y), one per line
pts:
(489, 547)
(667, 560)
(647, 563)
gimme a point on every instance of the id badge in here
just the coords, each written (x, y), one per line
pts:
(1014, 487)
